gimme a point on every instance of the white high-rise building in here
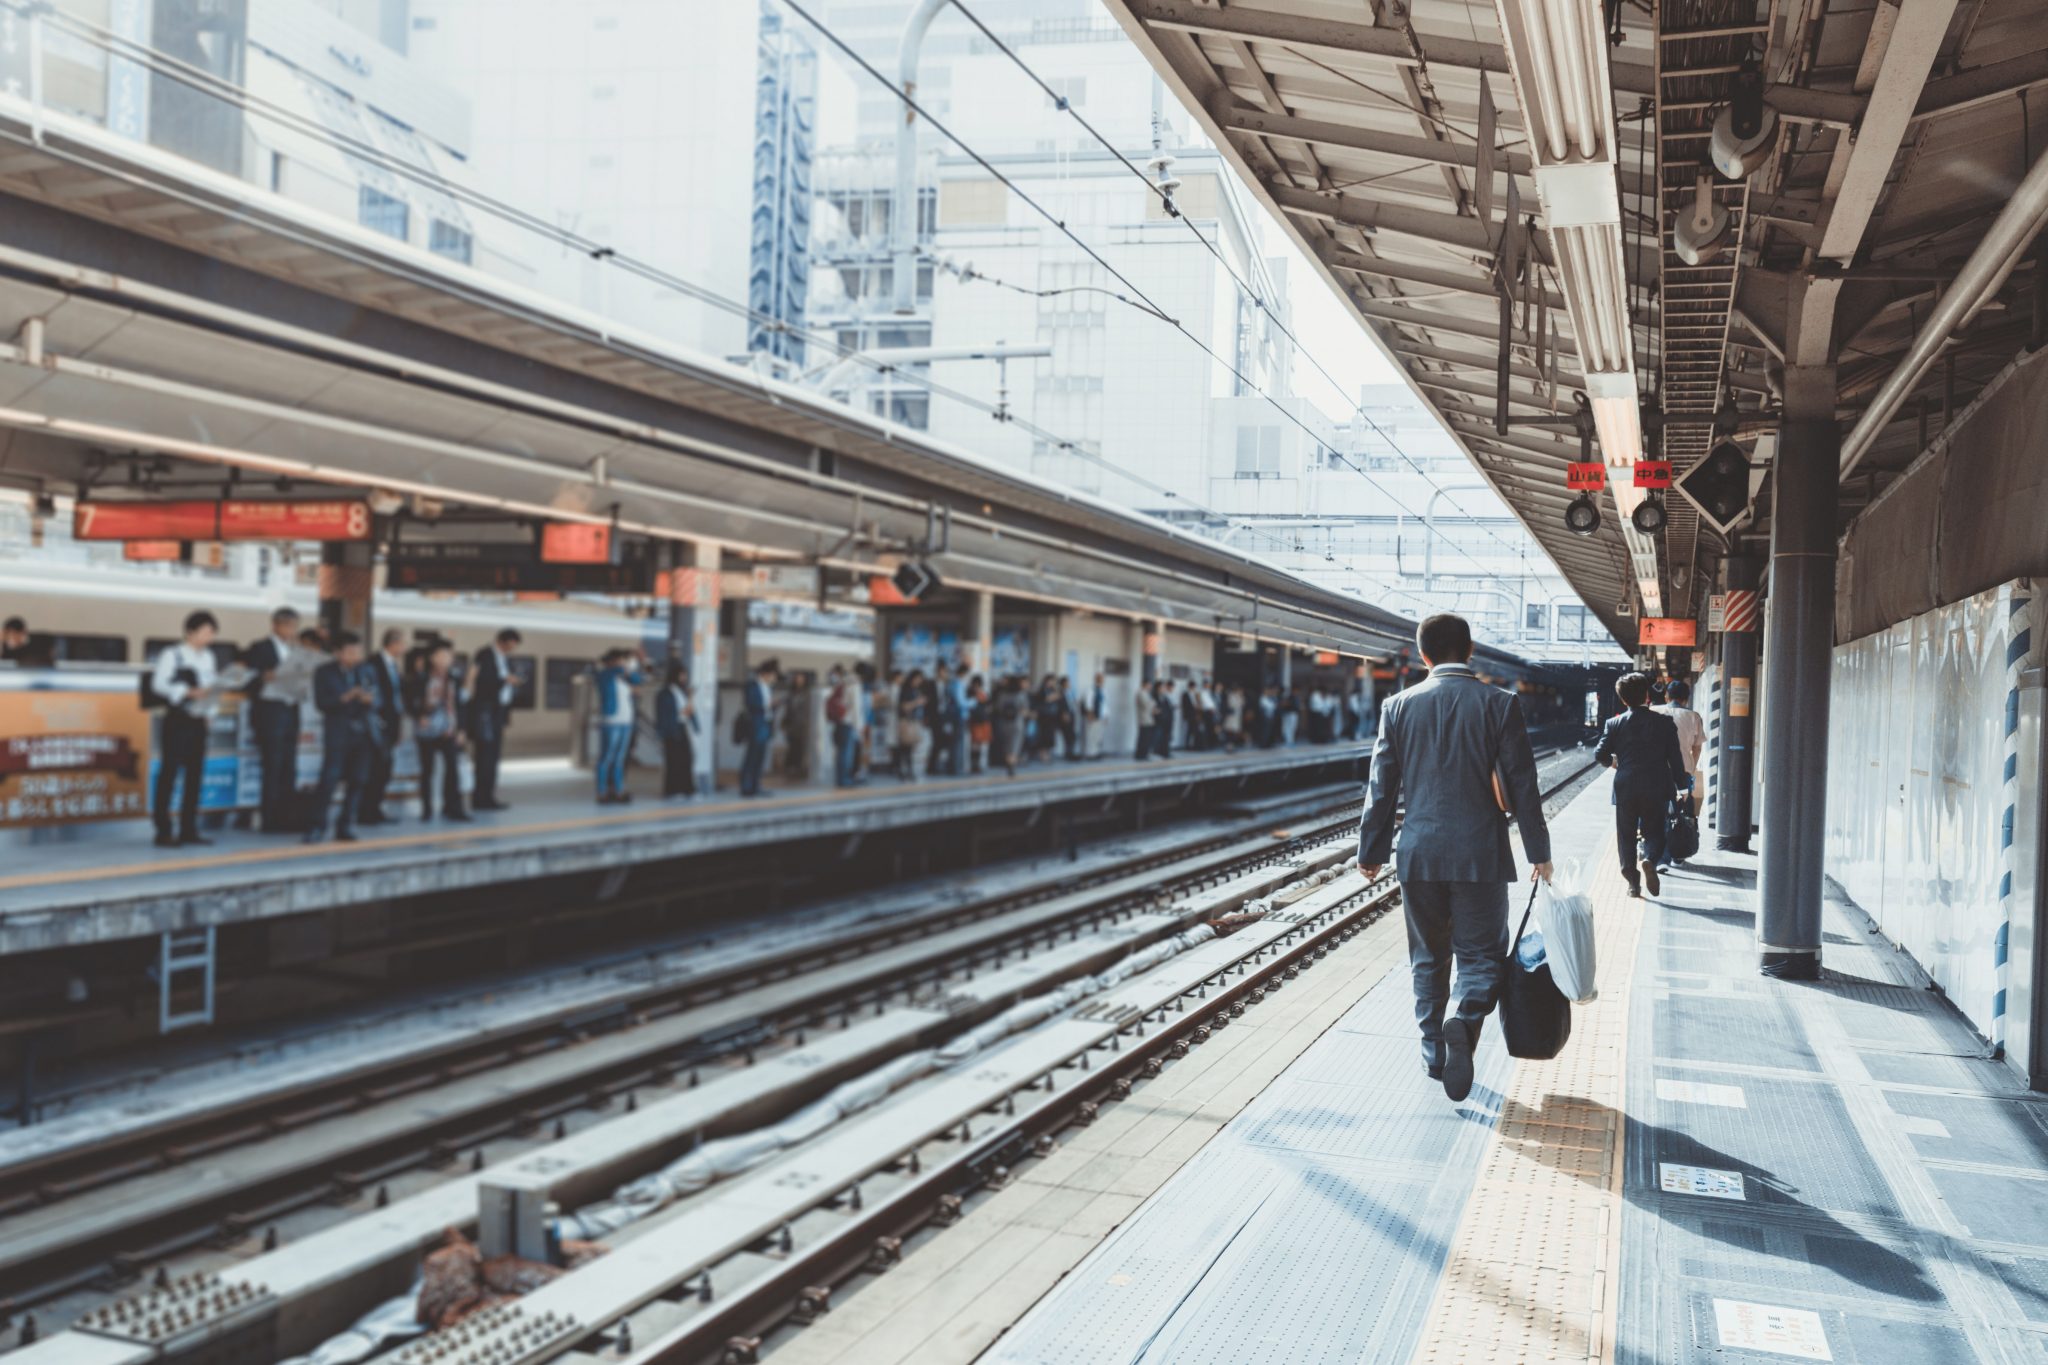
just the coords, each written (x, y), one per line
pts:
(627, 122)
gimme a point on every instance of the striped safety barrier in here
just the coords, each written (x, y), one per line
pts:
(2018, 643)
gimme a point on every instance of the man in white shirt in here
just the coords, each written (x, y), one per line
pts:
(183, 678)
(1692, 731)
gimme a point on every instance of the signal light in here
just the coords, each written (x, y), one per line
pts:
(1649, 516)
(1582, 517)
(1719, 486)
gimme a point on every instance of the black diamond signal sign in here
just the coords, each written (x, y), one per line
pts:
(1718, 486)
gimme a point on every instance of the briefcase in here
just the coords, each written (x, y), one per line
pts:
(1535, 1017)
(1682, 840)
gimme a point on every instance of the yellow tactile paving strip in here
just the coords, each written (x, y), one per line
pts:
(1535, 1265)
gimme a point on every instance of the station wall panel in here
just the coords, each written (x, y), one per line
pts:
(1918, 789)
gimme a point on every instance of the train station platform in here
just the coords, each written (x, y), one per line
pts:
(1719, 1166)
(102, 891)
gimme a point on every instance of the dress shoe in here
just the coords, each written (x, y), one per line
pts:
(1635, 892)
(167, 840)
(189, 840)
(1650, 881)
(344, 836)
(457, 816)
(1457, 1076)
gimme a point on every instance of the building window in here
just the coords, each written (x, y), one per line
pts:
(277, 172)
(446, 239)
(1571, 623)
(1258, 452)
(1534, 617)
(381, 212)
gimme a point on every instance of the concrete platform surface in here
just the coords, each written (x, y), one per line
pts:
(1718, 1168)
(64, 894)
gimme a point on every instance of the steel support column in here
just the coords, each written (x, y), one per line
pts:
(1739, 573)
(1795, 704)
(348, 571)
(1154, 644)
(693, 638)
(981, 636)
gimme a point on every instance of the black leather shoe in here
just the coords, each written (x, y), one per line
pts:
(1650, 882)
(1635, 892)
(167, 840)
(1457, 1076)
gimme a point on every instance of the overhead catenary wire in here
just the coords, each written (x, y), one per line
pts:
(1256, 296)
(209, 84)
(1141, 299)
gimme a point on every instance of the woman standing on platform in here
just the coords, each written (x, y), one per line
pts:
(1007, 724)
(618, 674)
(675, 720)
(435, 700)
(912, 704)
(980, 723)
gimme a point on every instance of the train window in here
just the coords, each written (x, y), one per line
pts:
(90, 649)
(521, 667)
(561, 676)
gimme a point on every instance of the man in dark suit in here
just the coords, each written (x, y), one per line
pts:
(345, 692)
(1641, 746)
(275, 720)
(758, 727)
(491, 686)
(387, 666)
(1460, 749)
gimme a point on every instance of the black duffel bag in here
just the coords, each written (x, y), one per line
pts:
(1682, 839)
(1535, 1017)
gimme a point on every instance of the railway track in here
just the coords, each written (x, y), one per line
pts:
(718, 1056)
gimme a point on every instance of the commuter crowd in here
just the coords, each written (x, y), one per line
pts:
(454, 710)
(366, 700)
(911, 725)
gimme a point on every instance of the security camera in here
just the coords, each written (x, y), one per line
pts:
(1746, 129)
(384, 502)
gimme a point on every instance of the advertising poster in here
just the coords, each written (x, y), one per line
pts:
(73, 753)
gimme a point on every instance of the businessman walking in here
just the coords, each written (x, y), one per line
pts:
(1642, 747)
(1460, 750)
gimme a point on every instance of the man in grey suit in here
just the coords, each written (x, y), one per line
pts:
(1461, 750)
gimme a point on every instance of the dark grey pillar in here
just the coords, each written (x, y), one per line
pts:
(1795, 704)
(347, 577)
(1736, 778)
(1155, 644)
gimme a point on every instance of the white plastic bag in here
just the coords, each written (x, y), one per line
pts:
(1565, 915)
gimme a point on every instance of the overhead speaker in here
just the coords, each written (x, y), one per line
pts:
(1746, 130)
(1700, 233)
(1582, 517)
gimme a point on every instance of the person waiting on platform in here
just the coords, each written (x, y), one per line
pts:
(1459, 750)
(491, 689)
(435, 700)
(1642, 748)
(618, 673)
(14, 641)
(183, 680)
(387, 669)
(1012, 707)
(675, 720)
(345, 693)
(275, 691)
(913, 706)
(755, 726)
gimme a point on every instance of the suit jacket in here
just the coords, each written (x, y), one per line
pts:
(261, 657)
(670, 721)
(1642, 747)
(489, 715)
(1442, 741)
(391, 706)
(345, 720)
(760, 711)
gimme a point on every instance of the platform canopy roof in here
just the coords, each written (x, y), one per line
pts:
(1391, 138)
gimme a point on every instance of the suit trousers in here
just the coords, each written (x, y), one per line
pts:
(1465, 920)
(276, 726)
(1634, 814)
